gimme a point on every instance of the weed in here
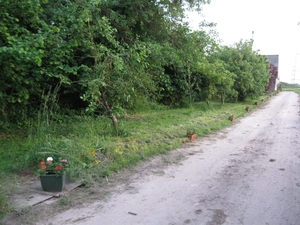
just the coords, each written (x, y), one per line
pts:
(3, 204)
(64, 201)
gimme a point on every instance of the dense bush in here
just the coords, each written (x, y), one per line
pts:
(108, 57)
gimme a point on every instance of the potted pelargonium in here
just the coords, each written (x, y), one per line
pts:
(191, 134)
(53, 174)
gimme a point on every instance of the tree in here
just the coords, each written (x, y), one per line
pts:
(22, 48)
(249, 67)
(116, 55)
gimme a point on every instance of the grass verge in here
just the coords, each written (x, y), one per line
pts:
(93, 148)
(294, 89)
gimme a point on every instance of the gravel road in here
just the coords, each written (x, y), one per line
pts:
(245, 174)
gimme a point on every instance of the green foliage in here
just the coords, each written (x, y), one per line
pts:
(111, 57)
(294, 89)
(250, 69)
(4, 206)
(21, 52)
(91, 143)
(290, 87)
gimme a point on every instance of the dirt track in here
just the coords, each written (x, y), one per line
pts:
(246, 174)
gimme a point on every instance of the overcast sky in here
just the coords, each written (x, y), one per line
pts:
(274, 22)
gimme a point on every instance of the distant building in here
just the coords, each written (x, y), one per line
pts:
(274, 80)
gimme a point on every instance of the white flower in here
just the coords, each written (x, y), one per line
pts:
(49, 159)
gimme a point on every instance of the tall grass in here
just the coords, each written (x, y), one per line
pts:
(91, 143)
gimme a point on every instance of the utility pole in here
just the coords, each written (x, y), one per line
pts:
(296, 68)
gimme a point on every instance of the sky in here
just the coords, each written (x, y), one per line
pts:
(274, 23)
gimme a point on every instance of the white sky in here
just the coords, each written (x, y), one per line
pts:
(274, 22)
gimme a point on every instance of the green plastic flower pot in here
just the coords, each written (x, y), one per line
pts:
(53, 182)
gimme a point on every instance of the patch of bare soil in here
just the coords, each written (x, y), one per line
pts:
(245, 174)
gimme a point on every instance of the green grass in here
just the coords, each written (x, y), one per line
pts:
(294, 89)
(93, 148)
(3, 203)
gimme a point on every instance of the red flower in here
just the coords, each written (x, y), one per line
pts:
(52, 167)
(43, 167)
(58, 168)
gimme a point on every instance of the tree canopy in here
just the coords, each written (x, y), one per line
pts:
(111, 56)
